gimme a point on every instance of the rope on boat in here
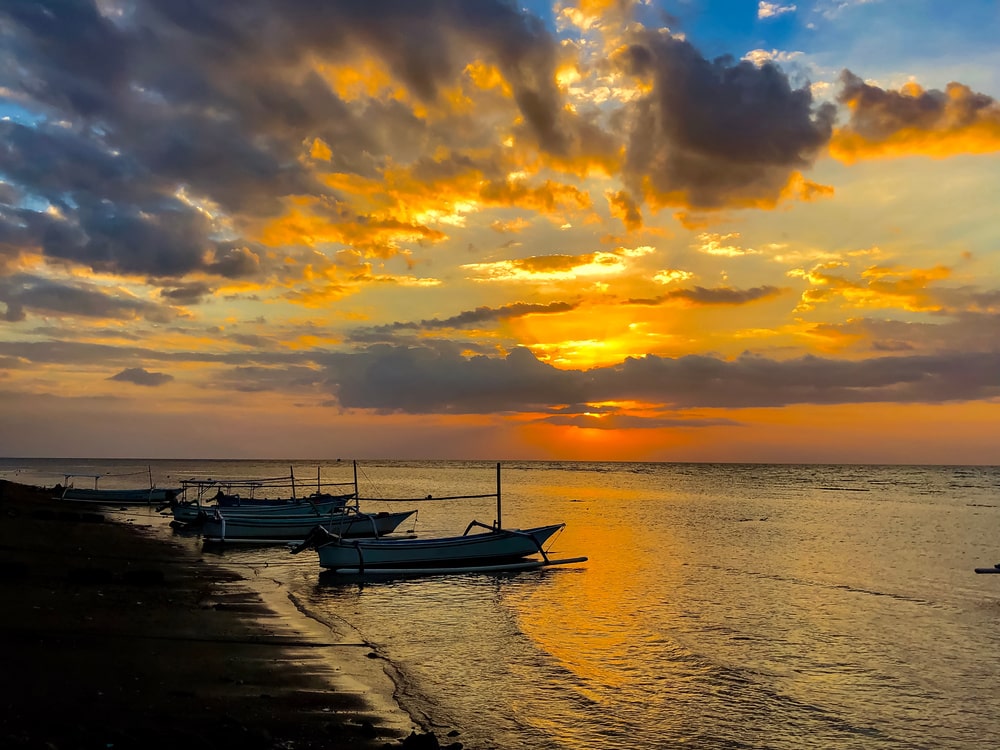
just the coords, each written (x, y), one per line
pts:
(429, 498)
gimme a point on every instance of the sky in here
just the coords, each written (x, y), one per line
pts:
(660, 230)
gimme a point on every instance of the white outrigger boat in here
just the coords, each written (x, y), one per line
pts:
(242, 498)
(494, 550)
(252, 519)
(345, 522)
(312, 505)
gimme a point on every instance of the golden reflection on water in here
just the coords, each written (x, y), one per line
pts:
(591, 621)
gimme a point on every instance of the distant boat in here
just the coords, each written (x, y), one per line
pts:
(149, 496)
(121, 497)
(492, 550)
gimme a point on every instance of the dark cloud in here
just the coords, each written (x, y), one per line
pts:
(14, 312)
(45, 297)
(423, 381)
(479, 316)
(716, 296)
(219, 101)
(10, 363)
(755, 381)
(65, 352)
(187, 294)
(176, 119)
(235, 262)
(253, 379)
(439, 377)
(723, 296)
(112, 214)
(9, 194)
(625, 208)
(427, 43)
(253, 340)
(426, 381)
(139, 376)
(969, 331)
(716, 133)
(878, 115)
(86, 58)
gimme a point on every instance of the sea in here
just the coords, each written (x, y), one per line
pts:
(721, 605)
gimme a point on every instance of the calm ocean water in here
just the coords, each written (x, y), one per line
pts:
(723, 606)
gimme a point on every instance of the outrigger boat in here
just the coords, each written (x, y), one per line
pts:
(494, 550)
(262, 521)
(241, 498)
(345, 522)
(312, 505)
(141, 496)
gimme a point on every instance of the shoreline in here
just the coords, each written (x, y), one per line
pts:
(120, 635)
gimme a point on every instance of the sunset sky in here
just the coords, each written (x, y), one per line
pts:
(667, 230)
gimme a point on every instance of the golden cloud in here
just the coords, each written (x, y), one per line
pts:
(558, 267)
(548, 198)
(912, 120)
(879, 287)
(624, 207)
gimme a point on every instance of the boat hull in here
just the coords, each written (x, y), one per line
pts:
(294, 528)
(493, 548)
(190, 512)
(120, 497)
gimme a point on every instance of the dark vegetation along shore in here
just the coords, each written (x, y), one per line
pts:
(115, 637)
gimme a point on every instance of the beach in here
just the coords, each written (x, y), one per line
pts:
(115, 636)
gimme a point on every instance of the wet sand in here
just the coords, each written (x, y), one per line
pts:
(115, 636)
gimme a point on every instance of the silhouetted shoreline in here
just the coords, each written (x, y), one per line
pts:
(117, 638)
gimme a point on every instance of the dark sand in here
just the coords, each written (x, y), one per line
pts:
(115, 636)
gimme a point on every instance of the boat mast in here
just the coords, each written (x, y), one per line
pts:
(499, 515)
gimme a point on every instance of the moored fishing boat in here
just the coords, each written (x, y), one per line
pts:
(311, 505)
(138, 496)
(150, 496)
(493, 549)
(345, 522)
(257, 496)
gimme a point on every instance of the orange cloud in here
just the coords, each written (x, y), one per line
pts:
(548, 198)
(624, 207)
(364, 77)
(558, 267)
(379, 236)
(885, 124)
(513, 226)
(879, 287)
